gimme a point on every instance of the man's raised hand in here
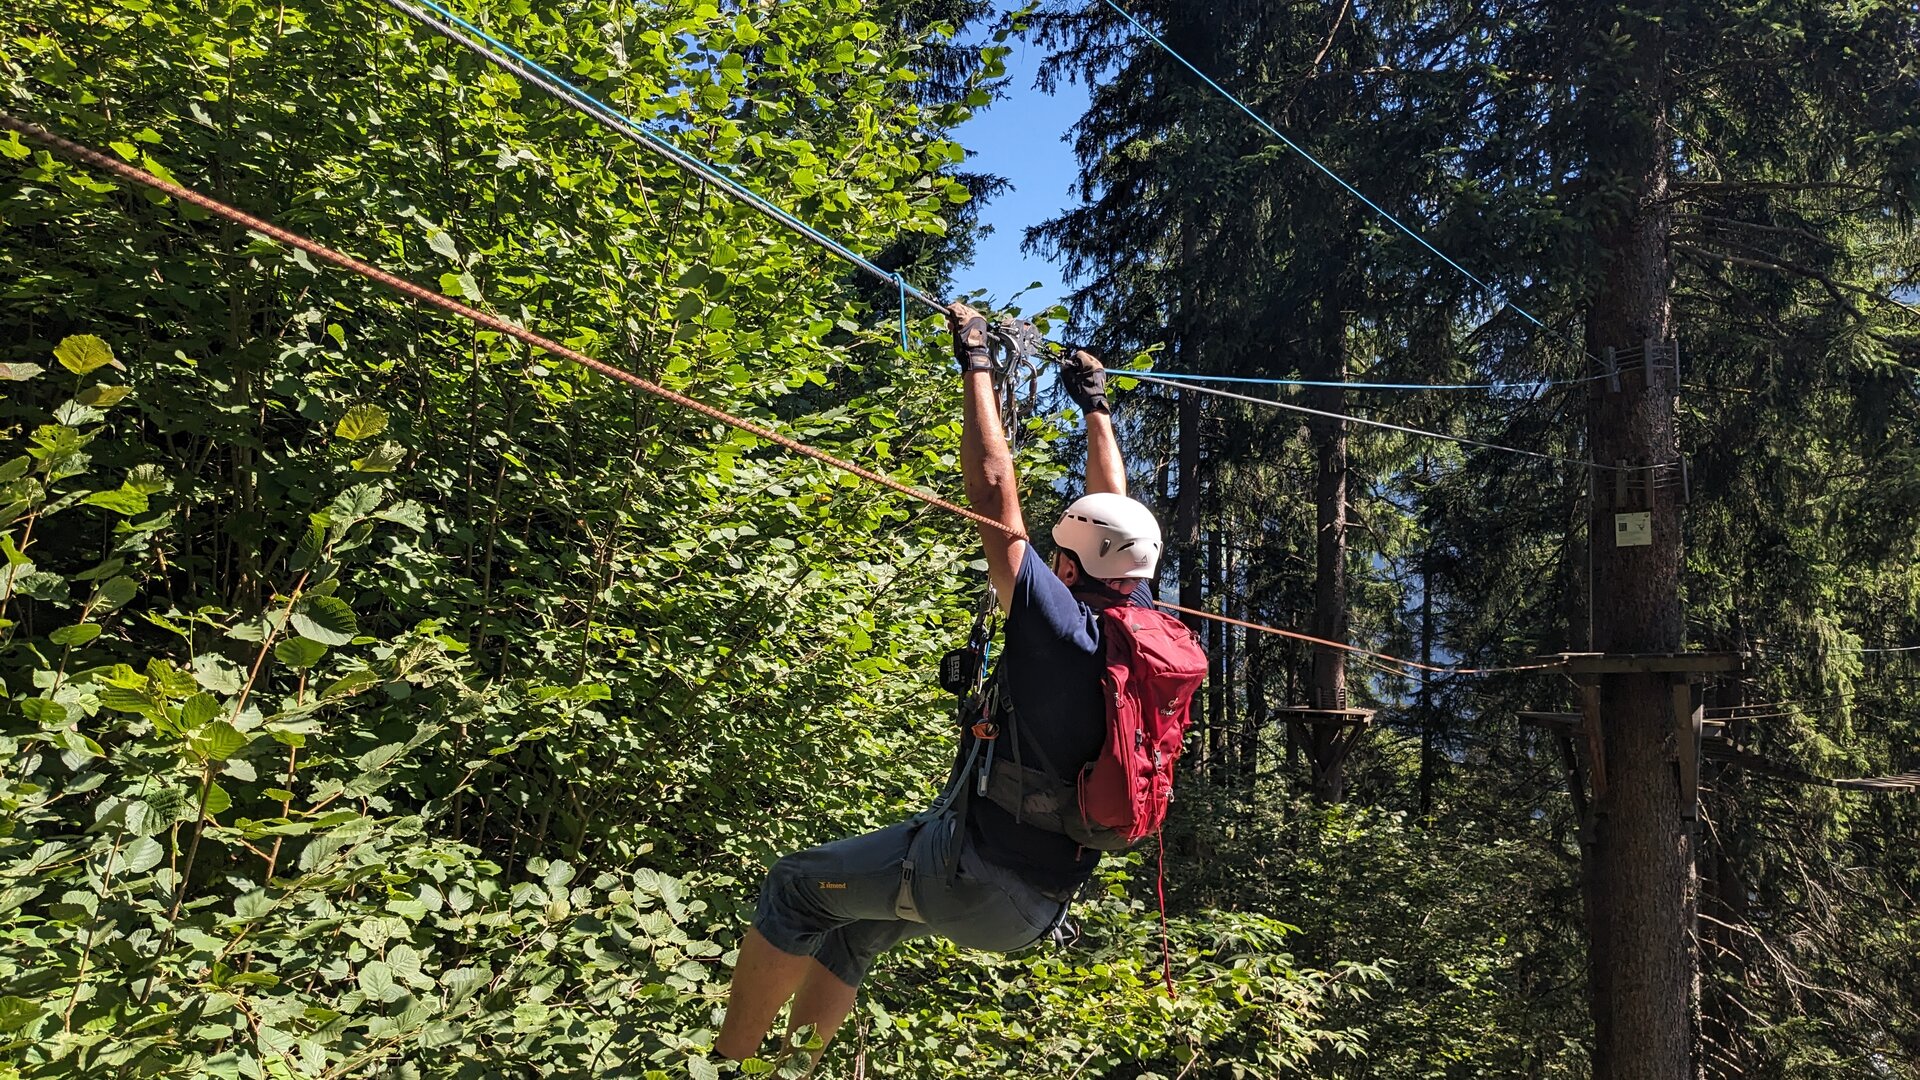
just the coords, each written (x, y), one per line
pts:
(969, 338)
(1086, 381)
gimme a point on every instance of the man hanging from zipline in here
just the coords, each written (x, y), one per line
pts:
(995, 872)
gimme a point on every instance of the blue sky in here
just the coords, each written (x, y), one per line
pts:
(1020, 138)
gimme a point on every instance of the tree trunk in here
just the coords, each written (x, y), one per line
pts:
(1186, 507)
(1642, 893)
(1217, 657)
(1329, 683)
(1255, 720)
(1428, 721)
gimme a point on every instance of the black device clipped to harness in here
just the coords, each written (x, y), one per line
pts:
(960, 670)
(963, 670)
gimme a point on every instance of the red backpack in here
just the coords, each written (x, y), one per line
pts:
(1154, 665)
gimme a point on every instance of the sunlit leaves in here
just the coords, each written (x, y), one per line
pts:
(326, 619)
(361, 422)
(299, 652)
(103, 396)
(216, 741)
(82, 353)
(78, 634)
(385, 457)
(123, 501)
(441, 242)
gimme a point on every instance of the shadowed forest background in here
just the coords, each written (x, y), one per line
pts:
(385, 700)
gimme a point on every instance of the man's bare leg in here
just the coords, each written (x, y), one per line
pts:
(822, 1002)
(763, 979)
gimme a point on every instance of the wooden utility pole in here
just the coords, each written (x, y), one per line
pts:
(1641, 891)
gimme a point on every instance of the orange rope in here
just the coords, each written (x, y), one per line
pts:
(492, 322)
(1415, 664)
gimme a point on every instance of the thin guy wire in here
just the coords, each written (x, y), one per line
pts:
(1518, 384)
(1422, 432)
(1894, 649)
(529, 70)
(492, 322)
(1486, 287)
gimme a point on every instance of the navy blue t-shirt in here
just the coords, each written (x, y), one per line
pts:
(1050, 664)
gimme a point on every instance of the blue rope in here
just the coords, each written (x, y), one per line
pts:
(1316, 163)
(902, 282)
(601, 110)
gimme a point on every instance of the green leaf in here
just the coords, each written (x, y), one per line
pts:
(384, 458)
(199, 709)
(81, 353)
(362, 422)
(460, 285)
(217, 673)
(252, 905)
(143, 854)
(410, 514)
(143, 820)
(103, 397)
(116, 593)
(16, 1013)
(441, 241)
(351, 683)
(77, 634)
(217, 741)
(41, 585)
(123, 501)
(19, 372)
(299, 653)
(405, 962)
(147, 480)
(45, 711)
(376, 981)
(326, 619)
(74, 414)
(353, 504)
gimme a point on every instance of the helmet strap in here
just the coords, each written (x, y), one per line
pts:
(1087, 583)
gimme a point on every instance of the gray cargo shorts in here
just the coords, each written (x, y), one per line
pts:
(840, 903)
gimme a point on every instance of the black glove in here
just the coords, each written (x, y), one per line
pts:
(1086, 381)
(969, 329)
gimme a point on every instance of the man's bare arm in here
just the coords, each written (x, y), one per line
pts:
(993, 488)
(1106, 469)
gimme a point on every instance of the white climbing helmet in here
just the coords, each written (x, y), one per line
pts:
(1112, 535)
